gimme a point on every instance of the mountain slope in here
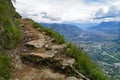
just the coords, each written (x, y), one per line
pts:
(32, 52)
(41, 54)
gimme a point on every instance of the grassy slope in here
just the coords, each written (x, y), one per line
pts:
(84, 63)
(9, 30)
(10, 34)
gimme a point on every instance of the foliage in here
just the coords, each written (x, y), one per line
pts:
(58, 38)
(5, 67)
(84, 64)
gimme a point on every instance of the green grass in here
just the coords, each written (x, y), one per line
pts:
(5, 67)
(9, 28)
(84, 64)
(10, 35)
(58, 38)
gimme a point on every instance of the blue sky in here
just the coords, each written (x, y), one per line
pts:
(58, 11)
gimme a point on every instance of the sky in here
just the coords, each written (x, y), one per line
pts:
(75, 11)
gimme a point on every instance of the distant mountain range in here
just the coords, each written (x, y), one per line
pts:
(103, 31)
(69, 31)
(108, 27)
(84, 25)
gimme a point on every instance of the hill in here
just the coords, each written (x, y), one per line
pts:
(32, 52)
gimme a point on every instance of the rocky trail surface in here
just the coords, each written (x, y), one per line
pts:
(37, 57)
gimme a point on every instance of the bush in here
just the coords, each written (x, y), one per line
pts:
(84, 64)
(58, 38)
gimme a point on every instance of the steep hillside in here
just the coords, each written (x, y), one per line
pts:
(32, 52)
(9, 28)
(10, 34)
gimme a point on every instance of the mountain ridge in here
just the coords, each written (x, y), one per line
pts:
(112, 27)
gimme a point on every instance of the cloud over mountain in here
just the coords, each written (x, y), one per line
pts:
(113, 13)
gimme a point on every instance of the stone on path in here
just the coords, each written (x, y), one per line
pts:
(42, 55)
(49, 75)
(73, 78)
(68, 62)
(36, 43)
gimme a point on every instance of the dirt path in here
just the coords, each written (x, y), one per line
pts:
(25, 72)
(42, 44)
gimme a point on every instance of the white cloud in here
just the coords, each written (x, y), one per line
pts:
(112, 14)
(63, 10)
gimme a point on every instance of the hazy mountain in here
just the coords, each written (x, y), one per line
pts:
(83, 26)
(69, 31)
(108, 27)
